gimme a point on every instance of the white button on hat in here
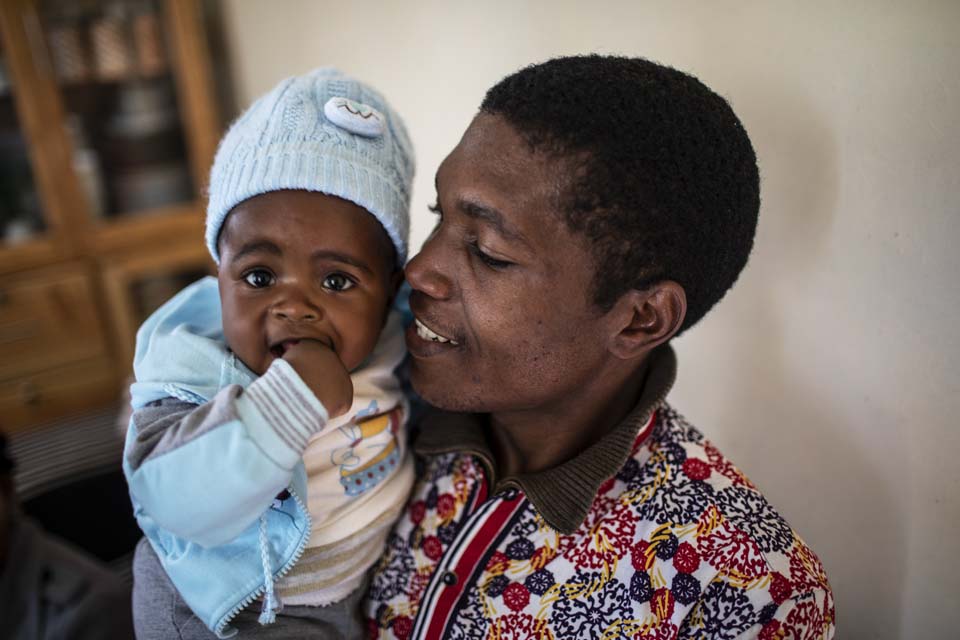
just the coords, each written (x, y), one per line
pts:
(355, 117)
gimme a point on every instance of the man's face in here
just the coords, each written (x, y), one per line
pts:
(501, 288)
(297, 265)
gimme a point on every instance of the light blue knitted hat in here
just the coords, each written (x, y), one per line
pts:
(323, 131)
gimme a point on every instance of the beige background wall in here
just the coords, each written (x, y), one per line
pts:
(830, 374)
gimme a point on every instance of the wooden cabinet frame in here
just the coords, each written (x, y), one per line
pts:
(116, 251)
(122, 273)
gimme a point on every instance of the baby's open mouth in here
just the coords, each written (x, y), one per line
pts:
(281, 347)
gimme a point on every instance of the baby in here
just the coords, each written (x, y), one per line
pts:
(267, 458)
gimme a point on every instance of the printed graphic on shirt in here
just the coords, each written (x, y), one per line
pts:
(677, 545)
(371, 451)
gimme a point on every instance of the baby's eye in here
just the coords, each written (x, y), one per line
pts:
(338, 282)
(259, 278)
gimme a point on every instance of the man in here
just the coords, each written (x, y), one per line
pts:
(595, 208)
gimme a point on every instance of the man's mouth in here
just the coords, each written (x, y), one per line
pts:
(426, 333)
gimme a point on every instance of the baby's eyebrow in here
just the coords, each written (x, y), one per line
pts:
(337, 256)
(256, 246)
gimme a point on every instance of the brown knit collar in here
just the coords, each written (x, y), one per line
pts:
(562, 494)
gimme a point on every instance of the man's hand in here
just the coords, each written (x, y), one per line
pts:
(322, 371)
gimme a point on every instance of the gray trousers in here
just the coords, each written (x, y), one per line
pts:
(159, 613)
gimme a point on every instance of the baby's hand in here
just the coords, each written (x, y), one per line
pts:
(322, 371)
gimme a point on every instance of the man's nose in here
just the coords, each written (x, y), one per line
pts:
(427, 271)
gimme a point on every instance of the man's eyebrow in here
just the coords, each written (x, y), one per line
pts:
(338, 256)
(479, 211)
(256, 246)
(488, 214)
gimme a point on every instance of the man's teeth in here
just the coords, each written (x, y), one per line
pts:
(427, 334)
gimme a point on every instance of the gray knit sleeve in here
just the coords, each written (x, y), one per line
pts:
(167, 424)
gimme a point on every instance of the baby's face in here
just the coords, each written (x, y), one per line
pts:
(298, 265)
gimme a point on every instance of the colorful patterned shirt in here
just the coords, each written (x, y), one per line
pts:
(649, 533)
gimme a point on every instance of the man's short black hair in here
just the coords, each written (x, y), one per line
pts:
(664, 181)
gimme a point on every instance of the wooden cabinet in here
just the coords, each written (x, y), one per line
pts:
(108, 125)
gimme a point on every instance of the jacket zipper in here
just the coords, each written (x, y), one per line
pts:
(278, 575)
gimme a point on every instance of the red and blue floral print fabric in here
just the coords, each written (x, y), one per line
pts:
(679, 544)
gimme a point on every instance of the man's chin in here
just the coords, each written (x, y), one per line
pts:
(445, 394)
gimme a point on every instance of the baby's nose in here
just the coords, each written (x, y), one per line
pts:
(297, 309)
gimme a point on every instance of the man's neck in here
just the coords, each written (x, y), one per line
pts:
(538, 439)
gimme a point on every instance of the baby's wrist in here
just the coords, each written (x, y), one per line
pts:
(286, 405)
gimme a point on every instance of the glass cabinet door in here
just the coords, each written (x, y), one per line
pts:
(109, 122)
(113, 65)
(21, 210)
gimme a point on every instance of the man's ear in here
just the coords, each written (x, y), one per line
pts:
(643, 320)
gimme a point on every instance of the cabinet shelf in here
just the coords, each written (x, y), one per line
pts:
(31, 253)
(125, 231)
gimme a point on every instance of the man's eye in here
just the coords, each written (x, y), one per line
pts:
(487, 259)
(259, 278)
(338, 282)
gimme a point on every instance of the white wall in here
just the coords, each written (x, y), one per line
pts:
(830, 373)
